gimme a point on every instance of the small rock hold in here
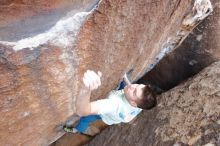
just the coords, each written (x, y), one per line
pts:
(180, 144)
(199, 38)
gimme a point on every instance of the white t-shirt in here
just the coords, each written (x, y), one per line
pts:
(116, 109)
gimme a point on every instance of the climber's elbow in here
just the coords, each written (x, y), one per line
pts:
(83, 111)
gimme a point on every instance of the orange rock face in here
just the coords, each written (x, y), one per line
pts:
(45, 47)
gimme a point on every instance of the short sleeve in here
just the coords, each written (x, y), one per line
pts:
(105, 106)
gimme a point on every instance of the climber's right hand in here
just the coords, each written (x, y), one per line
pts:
(92, 80)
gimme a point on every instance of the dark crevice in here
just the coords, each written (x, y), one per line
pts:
(183, 63)
(175, 68)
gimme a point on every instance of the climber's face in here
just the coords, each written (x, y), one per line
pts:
(134, 93)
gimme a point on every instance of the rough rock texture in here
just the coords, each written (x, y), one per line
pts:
(199, 49)
(187, 114)
(41, 65)
(37, 86)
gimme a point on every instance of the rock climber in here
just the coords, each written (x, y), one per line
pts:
(120, 105)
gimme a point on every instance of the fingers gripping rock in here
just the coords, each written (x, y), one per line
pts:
(91, 79)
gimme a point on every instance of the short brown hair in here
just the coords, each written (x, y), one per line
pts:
(148, 99)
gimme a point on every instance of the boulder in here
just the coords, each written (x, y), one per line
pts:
(46, 47)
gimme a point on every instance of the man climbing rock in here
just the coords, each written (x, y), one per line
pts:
(120, 105)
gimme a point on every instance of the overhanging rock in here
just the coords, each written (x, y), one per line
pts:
(45, 50)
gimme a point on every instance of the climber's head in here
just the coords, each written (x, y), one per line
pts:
(139, 95)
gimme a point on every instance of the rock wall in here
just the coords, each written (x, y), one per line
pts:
(198, 50)
(41, 64)
(38, 68)
(188, 114)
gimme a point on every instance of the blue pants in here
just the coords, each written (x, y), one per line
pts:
(85, 122)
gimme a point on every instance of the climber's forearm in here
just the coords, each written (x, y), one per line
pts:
(125, 78)
(91, 81)
(83, 106)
